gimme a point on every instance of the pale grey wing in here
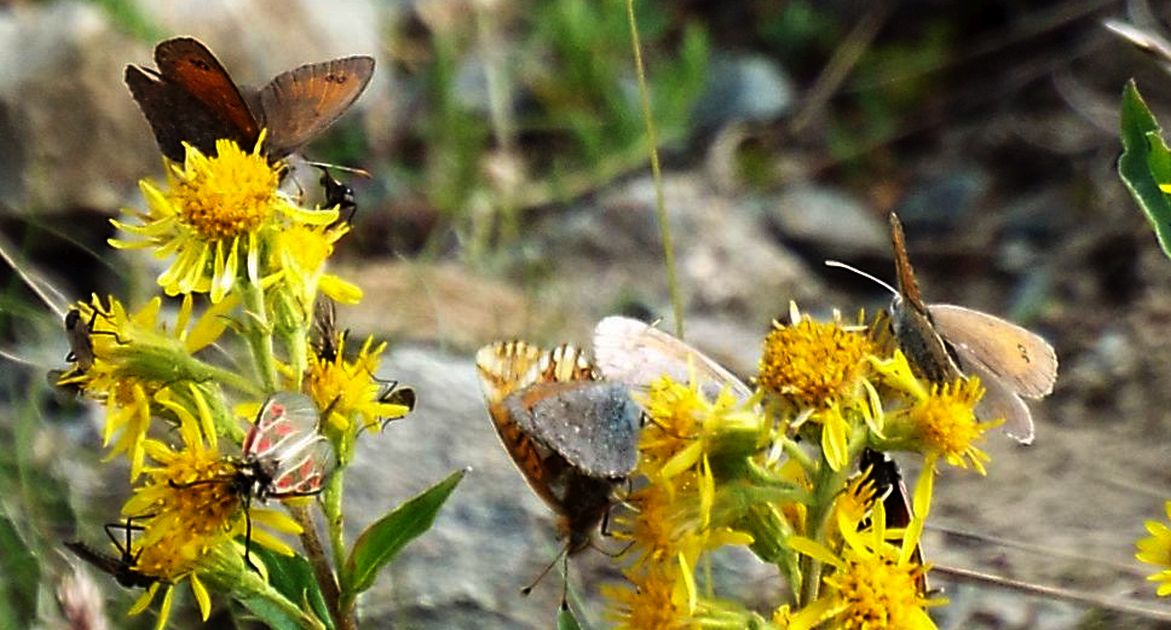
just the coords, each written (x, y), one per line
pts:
(301, 103)
(633, 352)
(1001, 402)
(592, 424)
(1023, 361)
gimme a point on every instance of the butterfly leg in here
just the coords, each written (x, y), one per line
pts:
(248, 534)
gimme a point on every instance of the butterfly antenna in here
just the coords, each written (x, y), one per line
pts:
(337, 167)
(880, 282)
(564, 553)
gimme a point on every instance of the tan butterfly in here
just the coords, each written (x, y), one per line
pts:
(943, 342)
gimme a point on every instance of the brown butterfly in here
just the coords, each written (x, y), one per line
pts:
(1010, 361)
(573, 437)
(191, 98)
(943, 342)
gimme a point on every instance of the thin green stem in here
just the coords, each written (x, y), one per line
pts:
(656, 172)
(206, 371)
(827, 483)
(260, 334)
(331, 505)
(343, 616)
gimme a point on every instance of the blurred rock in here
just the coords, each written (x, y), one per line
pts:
(835, 223)
(940, 203)
(606, 250)
(253, 38)
(449, 303)
(73, 136)
(743, 88)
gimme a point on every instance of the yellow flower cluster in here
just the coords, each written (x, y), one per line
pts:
(780, 474)
(231, 234)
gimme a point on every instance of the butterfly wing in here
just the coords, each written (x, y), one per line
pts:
(592, 424)
(299, 104)
(503, 366)
(1023, 361)
(1000, 401)
(304, 467)
(188, 64)
(175, 116)
(635, 353)
(285, 420)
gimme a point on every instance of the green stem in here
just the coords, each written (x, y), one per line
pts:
(656, 173)
(205, 371)
(260, 334)
(827, 483)
(343, 616)
(331, 504)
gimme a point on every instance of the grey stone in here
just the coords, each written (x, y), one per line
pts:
(835, 222)
(743, 88)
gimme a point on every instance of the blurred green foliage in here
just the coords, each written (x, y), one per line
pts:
(576, 107)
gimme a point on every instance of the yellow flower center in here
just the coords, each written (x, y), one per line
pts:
(228, 195)
(812, 362)
(877, 592)
(946, 419)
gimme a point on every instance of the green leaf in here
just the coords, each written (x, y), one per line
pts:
(269, 612)
(293, 577)
(566, 620)
(378, 545)
(1145, 161)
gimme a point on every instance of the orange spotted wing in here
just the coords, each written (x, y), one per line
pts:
(572, 436)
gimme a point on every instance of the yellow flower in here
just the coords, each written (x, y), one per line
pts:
(855, 502)
(301, 252)
(130, 357)
(872, 583)
(817, 373)
(1156, 551)
(685, 425)
(215, 214)
(941, 421)
(191, 513)
(674, 523)
(813, 363)
(350, 393)
(648, 601)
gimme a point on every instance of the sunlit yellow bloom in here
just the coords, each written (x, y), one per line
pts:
(940, 421)
(349, 391)
(684, 425)
(871, 583)
(675, 520)
(1156, 550)
(191, 514)
(855, 502)
(133, 357)
(189, 491)
(649, 601)
(215, 218)
(301, 252)
(814, 363)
